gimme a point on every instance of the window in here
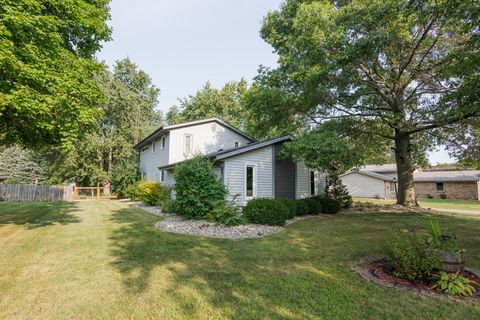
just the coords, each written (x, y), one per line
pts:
(236, 143)
(250, 181)
(144, 149)
(153, 147)
(163, 142)
(440, 187)
(162, 175)
(187, 144)
(392, 186)
(312, 183)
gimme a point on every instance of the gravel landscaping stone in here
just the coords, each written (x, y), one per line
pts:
(176, 224)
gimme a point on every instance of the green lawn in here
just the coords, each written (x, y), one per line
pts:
(105, 260)
(468, 205)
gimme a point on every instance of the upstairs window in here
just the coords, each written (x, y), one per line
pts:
(144, 149)
(187, 144)
(440, 187)
(153, 147)
(163, 142)
(236, 143)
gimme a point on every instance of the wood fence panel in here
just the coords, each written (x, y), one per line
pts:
(34, 192)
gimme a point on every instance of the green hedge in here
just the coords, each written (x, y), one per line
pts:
(313, 206)
(272, 212)
(291, 205)
(328, 205)
(150, 192)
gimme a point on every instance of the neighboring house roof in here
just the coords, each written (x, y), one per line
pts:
(162, 130)
(389, 167)
(370, 174)
(223, 154)
(441, 176)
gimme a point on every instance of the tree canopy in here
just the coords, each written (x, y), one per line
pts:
(48, 89)
(402, 68)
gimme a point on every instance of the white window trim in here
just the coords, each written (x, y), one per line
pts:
(185, 142)
(163, 142)
(254, 185)
(153, 147)
(235, 142)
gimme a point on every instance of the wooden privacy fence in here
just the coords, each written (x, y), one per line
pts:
(35, 192)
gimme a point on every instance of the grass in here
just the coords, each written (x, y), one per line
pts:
(467, 205)
(105, 260)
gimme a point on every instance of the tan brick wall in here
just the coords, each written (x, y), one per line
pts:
(453, 190)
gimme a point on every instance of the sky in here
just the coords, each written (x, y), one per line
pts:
(182, 44)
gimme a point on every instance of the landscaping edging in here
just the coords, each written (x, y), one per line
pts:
(176, 224)
(362, 269)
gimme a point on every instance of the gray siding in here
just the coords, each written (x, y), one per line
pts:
(284, 175)
(303, 181)
(234, 174)
(149, 162)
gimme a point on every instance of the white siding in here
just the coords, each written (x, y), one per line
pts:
(149, 162)
(360, 185)
(207, 138)
(234, 172)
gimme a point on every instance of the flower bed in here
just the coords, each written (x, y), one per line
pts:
(380, 272)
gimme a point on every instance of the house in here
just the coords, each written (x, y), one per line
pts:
(373, 181)
(248, 168)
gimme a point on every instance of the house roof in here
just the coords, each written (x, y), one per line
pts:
(163, 129)
(224, 154)
(389, 167)
(370, 174)
(441, 176)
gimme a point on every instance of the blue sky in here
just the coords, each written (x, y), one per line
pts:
(184, 43)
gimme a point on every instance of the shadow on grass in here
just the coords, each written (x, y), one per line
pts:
(274, 277)
(39, 214)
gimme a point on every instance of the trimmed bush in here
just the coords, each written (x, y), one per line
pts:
(271, 212)
(328, 205)
(227, 214)
(170, 206)
(302, 207)
(291, 204)
(198, 189)
(411, 256)
(313, 206)
(152, 193)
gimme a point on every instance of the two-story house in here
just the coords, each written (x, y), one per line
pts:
(249, 168)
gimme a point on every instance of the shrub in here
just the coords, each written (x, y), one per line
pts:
(454, 284)
(443, 196)
(338, 191)
(313, 205)
(411, 257)
(132, 192)
(152, 193)
(124, 175)
(170, 207)
(291, 204)
(227, 214)
(266, 211)
(302, 207)
(198, 188)
(328, 205)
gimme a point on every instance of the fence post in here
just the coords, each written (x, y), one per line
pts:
(98, 191)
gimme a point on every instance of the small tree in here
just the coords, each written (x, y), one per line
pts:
(197, 188)
(338, 191)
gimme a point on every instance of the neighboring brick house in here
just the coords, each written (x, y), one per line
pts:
(381, 181)
(463, 185)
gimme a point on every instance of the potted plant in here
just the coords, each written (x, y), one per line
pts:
(452, 257)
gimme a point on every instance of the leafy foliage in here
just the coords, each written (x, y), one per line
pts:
(454, 284)
(314, 206)
(328, 204)
(48, 90)
(338, 191)
(19, 165)
(151, 192)
(411, 256)
(227, 213)
(124, 175)
(266, 211)
(198, 189)
(291, 205)
(399, 68)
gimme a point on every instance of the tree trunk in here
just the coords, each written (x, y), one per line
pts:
(109, 168)
(403, 156)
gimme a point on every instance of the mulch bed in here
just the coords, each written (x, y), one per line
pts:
(378, 271)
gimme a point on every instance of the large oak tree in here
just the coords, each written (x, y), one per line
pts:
(401, 67)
